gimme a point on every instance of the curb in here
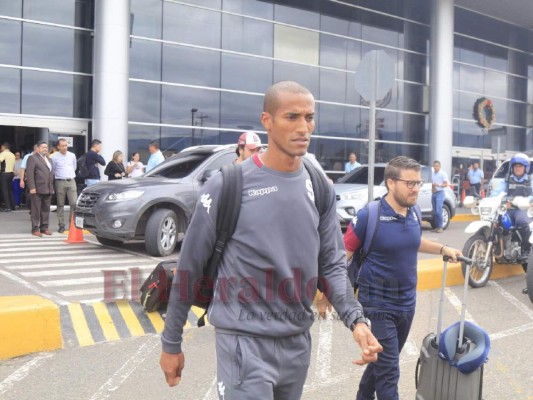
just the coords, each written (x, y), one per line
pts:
(465, 218)
(31, 323)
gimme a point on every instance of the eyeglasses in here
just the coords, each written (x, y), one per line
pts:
(410, 184)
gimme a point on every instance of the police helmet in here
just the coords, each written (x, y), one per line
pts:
(520, 158)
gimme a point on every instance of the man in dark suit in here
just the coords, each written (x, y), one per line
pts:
(40, 178)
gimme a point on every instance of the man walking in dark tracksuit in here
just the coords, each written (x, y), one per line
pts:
(267, 275)
(388, 276)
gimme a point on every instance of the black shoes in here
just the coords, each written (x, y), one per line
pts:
(61, 228)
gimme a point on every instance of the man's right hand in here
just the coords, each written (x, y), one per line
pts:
(22, 184)
(172, 365)
(33, 191)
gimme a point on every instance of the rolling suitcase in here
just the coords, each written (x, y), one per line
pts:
(450, 366)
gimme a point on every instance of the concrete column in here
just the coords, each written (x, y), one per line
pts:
(441, 84)
(111, 73)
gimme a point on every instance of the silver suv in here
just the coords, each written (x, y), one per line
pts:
(352, 194)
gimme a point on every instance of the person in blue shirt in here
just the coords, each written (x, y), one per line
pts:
(475, 177)
(388, 275)
(352, 163)
(518, 183)
(439, 180)
(156, 157)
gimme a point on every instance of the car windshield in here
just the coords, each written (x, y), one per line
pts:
(179, 166)
(360, 175)
(502, 171)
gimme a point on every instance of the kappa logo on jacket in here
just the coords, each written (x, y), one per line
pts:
(206, 201)
(262, 191)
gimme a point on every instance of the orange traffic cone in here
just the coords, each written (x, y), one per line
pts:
(75, 235)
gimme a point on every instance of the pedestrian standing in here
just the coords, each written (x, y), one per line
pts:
(352, 163)
(23, 178)
(40, 178)
(475, 177)
(135, 166)
(7, 167)
(388, 274)
(439, 180)
(115, 167)
(92, 159)
(17, 191)
(156, 156)
(248, 144)
(263, 344)
(64, 163)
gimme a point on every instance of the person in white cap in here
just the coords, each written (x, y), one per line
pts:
(249, 143)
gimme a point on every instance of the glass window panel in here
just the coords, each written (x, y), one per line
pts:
(300, 15)
(340, 19)
(56, 48)
(303, 74)
(83, 86)
(295, 44)
(241, 111)
(139, 136)
(11, 8)
(145, 60)
(147, 19)
(178, 103)
(496, 57)
(495, 84)
(333, 51)
(412, 128)
(256, 8)
(501, 111)
(517, 88)
(66, 12)
(470, 50)
(144, 102)
(466, 105)
(333, 86)
(380, 29)
(517, 113)
(10, 32)
(10, 89)
(471, 78)
(468, 135)
(250, 74)
(412, 67)
(409, 97)
(191, 65)
(191, 25)
(337, 120)
(414, 37)
(46, 93)
(247, 35)
(205, 3)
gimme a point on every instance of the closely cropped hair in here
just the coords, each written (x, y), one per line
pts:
(397, 164)
(61, 140)
(95, 142)
(155, 144)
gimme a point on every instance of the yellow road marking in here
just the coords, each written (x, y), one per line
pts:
(79, 323)
(157, 321)
(106, 322)
(199, 312)
(130, 318)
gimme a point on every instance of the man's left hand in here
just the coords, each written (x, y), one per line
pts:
(370, 346)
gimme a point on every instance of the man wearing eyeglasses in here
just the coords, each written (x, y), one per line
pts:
(439, 180)
(388, 275)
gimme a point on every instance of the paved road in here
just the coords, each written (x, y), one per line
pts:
(128, 369)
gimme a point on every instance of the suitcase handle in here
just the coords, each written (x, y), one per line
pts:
(459, 258)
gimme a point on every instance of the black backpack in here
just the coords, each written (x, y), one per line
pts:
(81, 166)
(156, 289)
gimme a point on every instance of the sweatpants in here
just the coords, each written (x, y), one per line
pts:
(391, 330)
(252, 368)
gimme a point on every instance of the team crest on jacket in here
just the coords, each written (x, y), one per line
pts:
(309, 187)
(206, 201)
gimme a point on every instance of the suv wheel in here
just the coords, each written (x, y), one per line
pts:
(109, 242)
(160, 236)
(446, 216)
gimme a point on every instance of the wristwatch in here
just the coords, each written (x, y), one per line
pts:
(359, 320)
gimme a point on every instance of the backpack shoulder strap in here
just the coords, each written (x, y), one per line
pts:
(321, 187)
(374, 211)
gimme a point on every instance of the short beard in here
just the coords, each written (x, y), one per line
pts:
(404, 202)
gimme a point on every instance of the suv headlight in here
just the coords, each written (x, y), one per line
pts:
(354, 196)
(123, 196)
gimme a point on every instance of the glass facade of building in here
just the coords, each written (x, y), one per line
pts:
(46, 57)
(199, 68)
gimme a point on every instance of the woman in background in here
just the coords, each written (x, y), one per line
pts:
(115, 168)
(135, 167)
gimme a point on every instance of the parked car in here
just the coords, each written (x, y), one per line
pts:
(156, 207)
(352, 194)
(502, 172)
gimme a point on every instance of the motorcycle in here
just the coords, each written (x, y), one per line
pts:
(529, 272)
(494, 239)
